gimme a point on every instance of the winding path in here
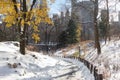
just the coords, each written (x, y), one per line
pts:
(80, 71)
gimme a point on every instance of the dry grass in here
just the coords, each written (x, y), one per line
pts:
(83, 46)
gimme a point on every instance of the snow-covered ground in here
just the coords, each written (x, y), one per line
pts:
(64, 52)
(36, 66)
(82, 68)
(108, 62)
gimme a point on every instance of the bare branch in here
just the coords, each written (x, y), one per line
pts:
(33, 3)
(15, 7)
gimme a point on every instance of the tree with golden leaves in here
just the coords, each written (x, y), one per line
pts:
(24, 14)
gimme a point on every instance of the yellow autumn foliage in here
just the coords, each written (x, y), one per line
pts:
(22, 23)
(36, 37)
(33, 17)
(35, 28)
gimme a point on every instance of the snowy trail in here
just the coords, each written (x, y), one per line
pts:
(36, 66)
(85, 73)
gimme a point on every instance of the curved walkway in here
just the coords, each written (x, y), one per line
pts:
(82, 70)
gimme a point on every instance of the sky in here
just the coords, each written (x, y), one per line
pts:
(55, 8)
(114, 8)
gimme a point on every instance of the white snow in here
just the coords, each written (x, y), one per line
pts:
(36, 66)
(83, 69)
(64, 52)
(108, 60)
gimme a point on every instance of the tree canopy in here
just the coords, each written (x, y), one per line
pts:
(25, 14)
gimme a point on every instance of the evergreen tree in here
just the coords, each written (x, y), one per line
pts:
(102, 28)
(72, 32)
(63, 38)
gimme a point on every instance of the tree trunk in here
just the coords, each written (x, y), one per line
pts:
(27, 34)
(46, 39)
(22, 44)
(108, 26)
(23, 34)
(96, 32)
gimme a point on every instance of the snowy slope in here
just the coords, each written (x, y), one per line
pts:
(65, 53)
(82, 68)
(34, 66)
(108, 61)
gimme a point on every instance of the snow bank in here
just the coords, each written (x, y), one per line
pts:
(33, 66)
(109, 59)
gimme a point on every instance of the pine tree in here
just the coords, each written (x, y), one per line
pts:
(63, 38)
(72, 32)
(102, 28)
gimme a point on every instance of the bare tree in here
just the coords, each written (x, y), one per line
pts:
(107, 23)
(96, 32)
